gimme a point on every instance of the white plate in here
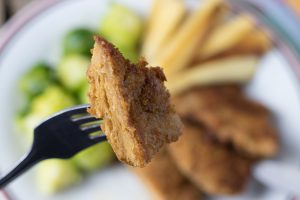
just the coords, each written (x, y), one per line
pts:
(35, 34)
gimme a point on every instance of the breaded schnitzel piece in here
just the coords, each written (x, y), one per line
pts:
(214, 168)
(232, 118)
(165, 181)
(135, 105)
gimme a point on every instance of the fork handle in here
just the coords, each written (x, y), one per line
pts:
(23, 165)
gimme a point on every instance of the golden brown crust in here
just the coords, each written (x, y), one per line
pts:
(132, 100)
(231, 118)
(165, 180)
(214, 168)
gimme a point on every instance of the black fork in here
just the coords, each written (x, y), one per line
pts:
(60, 136)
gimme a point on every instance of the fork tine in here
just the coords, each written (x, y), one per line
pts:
(91, 129)
(68, 113)
(98, 138)
(85, 119)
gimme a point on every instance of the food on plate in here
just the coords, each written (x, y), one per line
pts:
(89, 159)
(53, 99)
(232, 118)
(257, 42)
(78, 41)
(214, 168)
(233, 69)
(55, 174)
(165, 181)
(122, 27)
(179, 50)
(33, 83)
(77, 65)
(221, 48)
(201, 50)
(36, 80)
(135, 106)
(167, 14)
(226, 36)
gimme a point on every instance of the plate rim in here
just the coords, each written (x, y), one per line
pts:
(22, 18)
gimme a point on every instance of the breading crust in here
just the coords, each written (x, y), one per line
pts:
(232, 118)
(135, 105)
(165, 181)
(214, 168)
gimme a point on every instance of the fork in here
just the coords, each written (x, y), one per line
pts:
(60, 136)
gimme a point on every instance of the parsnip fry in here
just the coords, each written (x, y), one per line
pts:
(226, 36)
(238, 69)
(179, 50)
(165, 18)
(153, 19)
(256, 42)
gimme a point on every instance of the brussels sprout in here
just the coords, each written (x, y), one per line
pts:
(72, 71)
(24, 106)
(36, 80)
(83, 94)
(79, 41)
(122, 27)
(95, 157)
(54, 175)
(52, 100)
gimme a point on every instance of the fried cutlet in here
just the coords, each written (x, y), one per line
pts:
(133, 102)
(214, 168)
(165, 181)
(232, 118)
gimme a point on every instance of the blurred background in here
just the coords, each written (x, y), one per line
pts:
(9, 8)
(233, 74)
